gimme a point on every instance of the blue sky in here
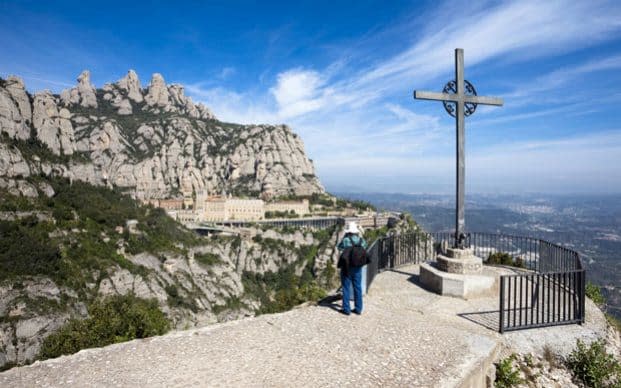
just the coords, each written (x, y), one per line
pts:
(341, 74)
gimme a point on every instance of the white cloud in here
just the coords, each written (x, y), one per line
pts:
(298, 92)
(517, 30)
(345, 114)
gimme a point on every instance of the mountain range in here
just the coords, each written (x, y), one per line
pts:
(155, 142)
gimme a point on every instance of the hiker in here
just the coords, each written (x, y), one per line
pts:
(353, 257)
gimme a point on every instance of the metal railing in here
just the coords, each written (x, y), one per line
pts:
(541, 299)
(549, 291)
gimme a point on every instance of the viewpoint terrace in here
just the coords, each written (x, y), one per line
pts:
(406, 337)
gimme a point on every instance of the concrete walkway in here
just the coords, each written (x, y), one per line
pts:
(405, 337)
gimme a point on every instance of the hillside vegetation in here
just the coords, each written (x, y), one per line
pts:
(71, 265)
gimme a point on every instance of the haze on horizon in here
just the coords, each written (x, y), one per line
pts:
(342, 77)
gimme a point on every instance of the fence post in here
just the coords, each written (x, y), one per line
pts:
(502, 305)
(393, 252)
(582, 295)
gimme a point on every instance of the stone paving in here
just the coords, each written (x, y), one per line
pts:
(405, 337)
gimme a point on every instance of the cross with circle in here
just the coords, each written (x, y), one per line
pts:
(460, 100)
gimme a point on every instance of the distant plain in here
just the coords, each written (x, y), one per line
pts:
(591, 224)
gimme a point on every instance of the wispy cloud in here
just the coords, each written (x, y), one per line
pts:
(352, 116)
(227, 72)
(518, 30)
(556, 79)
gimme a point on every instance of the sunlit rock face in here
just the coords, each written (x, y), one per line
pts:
(156, 142)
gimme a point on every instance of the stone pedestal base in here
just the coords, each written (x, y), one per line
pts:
(459, 274)
(458, 285)
(460, 261)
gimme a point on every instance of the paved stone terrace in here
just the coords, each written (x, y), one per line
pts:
(405, 337)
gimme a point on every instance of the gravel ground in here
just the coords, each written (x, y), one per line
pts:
(405, 337)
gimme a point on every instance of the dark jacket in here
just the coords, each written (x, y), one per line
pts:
(348, 241)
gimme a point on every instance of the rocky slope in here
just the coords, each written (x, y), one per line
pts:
(67, 245)
(65, 162)
(189, 292)
(155, 142)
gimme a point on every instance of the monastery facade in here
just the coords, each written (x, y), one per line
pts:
(221, 208)
(300, 208)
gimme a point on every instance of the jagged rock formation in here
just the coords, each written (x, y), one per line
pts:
(155, 142)
(15, 109)
(53, 125)
(83, 94)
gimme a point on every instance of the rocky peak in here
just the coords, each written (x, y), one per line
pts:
(53, 125)
(158, 92)
(204, 112)
(157, 147)
(131, 84)
(15, 87)
(15, 110)
(83, 94)
(177, 94)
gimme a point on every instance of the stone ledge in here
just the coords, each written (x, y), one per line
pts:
(470, 265)
(465, 286)
(459, 253)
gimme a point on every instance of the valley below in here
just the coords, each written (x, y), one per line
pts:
(589, 224)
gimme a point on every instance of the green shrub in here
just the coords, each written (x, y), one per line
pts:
(594, 293)
(280, 291)
(13, 203)
(281, 214)
(207, 259)
(232, 303)
(111, 320)
(329, 280)
(506, 375)
(504, 258)
(593, 366)
(614, 322)
(25, 249)
(373, 234)
(177, 300)
(311, 291)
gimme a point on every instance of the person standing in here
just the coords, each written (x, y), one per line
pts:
(352, 246)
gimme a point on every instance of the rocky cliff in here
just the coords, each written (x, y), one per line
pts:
(65, 245)
(188, 290)
(155, 142)
(67, 163)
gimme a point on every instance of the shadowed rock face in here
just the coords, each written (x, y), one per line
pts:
(156, 141)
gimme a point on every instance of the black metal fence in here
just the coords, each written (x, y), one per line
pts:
(549, 290)
(541, 299)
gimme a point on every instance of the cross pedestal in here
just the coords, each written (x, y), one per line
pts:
(459, 261)
(458, 272)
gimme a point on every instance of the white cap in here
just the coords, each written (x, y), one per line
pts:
(352, 228)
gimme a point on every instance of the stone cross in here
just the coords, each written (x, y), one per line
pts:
(460, 100)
